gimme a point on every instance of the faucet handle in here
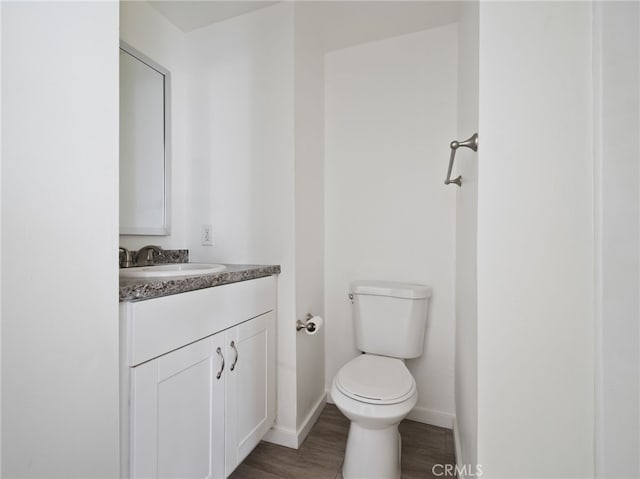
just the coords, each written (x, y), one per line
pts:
(125, 257)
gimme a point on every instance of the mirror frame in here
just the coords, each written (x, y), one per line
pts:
(165, 229)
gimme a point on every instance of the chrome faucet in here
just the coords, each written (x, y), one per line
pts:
(146, 254)
(125, 257)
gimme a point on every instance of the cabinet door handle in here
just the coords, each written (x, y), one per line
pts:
(235, 350)
(219, 351)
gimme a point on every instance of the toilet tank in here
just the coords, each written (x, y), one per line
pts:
(390, 318)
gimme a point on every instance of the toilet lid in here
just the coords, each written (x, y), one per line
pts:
(376, 379)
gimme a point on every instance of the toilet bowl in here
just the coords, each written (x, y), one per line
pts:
(375, 393)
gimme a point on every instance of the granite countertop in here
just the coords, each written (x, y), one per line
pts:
(147, 288)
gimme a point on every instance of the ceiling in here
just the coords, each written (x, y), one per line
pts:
(342, 24)
(338, 24)
(188, 15)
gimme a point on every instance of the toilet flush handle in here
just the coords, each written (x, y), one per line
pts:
(351, 297)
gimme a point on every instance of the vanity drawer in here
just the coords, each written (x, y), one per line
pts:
(156, 326)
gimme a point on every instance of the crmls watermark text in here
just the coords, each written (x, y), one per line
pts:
(450, 470)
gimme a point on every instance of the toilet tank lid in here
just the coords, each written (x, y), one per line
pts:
(390, 288)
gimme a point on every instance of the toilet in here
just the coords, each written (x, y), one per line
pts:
(375, 390)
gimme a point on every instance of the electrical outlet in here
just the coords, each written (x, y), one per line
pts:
(206, 235)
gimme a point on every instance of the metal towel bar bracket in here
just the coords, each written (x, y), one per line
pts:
(470, 143)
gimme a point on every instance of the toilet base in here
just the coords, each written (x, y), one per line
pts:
(372, 453)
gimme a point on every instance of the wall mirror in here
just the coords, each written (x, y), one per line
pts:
(144, 144)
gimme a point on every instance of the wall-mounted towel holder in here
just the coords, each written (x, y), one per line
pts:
(470, 143)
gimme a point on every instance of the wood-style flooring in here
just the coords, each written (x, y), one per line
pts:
(322, 453)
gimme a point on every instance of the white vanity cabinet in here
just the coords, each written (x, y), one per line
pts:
(198, 380)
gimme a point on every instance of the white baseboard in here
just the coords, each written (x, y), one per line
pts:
(458, 449)
(282, 436)
(429, 416)
(328, 395)
(293, 439)
(311, 419)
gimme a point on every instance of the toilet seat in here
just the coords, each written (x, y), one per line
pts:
(376, 380)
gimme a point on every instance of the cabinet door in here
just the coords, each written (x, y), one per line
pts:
(177, 413)
(251, 386)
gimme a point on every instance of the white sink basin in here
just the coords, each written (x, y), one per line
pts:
(174, 269)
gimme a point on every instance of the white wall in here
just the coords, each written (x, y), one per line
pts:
(309, 209)
(59, 239)
(389, 116)
(1, 150)
(241, 160)
(142, 27)
(466, 381)
(617, 80)
(535, 241)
